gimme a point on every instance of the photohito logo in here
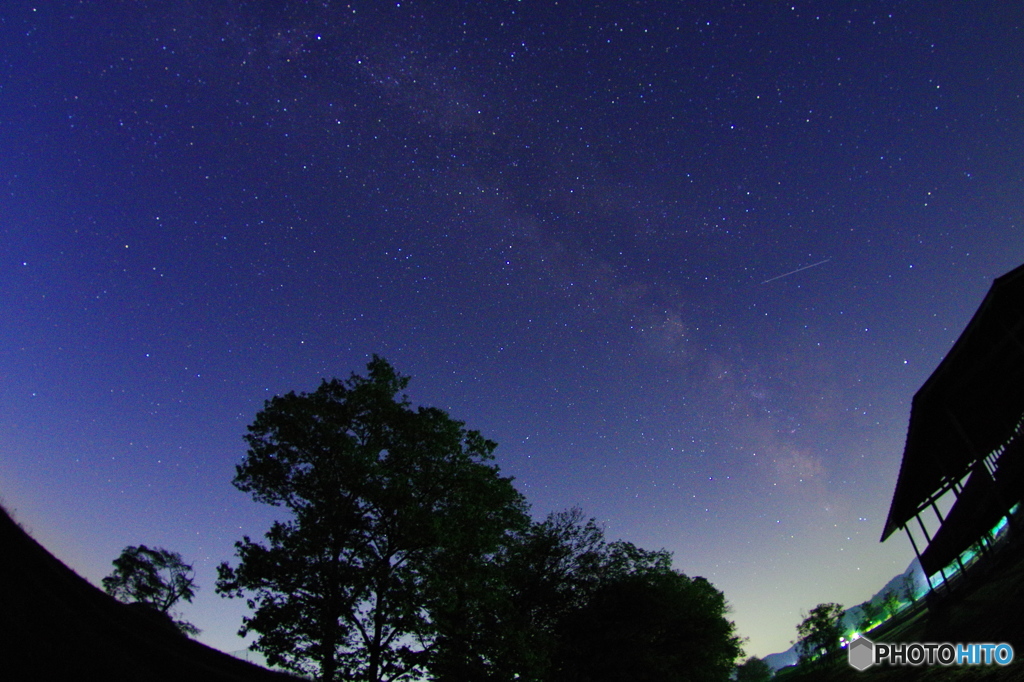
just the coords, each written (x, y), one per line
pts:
(863, 653)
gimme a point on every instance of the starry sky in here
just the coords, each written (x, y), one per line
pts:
(687, 263)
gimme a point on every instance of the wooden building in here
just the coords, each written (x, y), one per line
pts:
(965, 434)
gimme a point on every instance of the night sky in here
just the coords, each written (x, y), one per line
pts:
(687, 263)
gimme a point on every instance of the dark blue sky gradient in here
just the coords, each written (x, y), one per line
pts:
(560, 219)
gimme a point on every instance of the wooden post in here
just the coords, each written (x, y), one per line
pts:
(931, 588)
(945, 580)
(935, 508)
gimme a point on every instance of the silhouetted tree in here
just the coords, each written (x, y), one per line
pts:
(575, 607)
(869, 614)
(394, 515)
(542, 572)
(557, 564)
(891, 602)
(156, 578)
(649, 626)
(908, 587)
(754, 670)
(820, 632)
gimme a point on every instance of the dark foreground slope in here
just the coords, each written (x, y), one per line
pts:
(55, 625)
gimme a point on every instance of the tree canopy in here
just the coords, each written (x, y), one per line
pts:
(652, 626)
(579, 609)
(156, 578)
(908, 588)
(393, 513)
(870, 612)
(820, 632)
(754, 670)
(405, 554)
(891, 602)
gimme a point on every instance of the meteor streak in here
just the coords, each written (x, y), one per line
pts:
(793, 272)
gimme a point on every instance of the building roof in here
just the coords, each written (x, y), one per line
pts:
(969, 407)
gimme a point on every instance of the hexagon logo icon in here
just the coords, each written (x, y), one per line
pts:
(861, 653)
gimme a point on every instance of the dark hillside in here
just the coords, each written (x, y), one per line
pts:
(55, 625)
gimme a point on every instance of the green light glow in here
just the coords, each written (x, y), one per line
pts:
(973, 553)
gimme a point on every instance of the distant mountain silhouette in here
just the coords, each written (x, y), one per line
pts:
(55, 625)
(782, 659)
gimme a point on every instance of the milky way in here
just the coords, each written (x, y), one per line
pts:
(556, 219)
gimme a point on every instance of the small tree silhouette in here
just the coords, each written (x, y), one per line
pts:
(754, 670)
(820, 632)
(891, 602)
(156, 578)
(908, 587)
(869, 615)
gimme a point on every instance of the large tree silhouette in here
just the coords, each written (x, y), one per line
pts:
(393, 512)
